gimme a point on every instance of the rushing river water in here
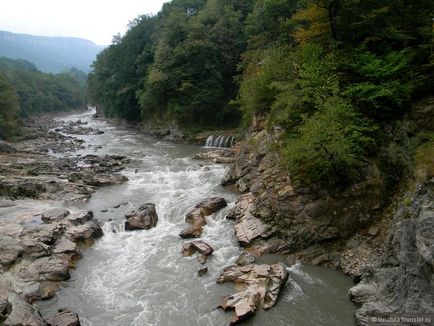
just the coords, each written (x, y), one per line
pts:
(140, 278)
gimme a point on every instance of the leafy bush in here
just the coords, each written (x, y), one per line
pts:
(330, 145)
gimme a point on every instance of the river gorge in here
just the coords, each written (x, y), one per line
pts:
(140, 277)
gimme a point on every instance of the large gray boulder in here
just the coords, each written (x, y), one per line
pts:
(54, 215)
(144, 218)
(53, 268)
(402, 283)
(196, 217)
(23, 313)
(259, 286)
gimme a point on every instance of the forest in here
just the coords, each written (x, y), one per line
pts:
(337, 76)
(25, 91)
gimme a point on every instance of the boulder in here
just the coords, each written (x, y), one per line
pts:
(46, 233)
(64, 318)
(10, 249)
(54, 215)
(200, 246)
(201, 272)
(196, 217)
(53, 268)
(244, 304)
(248, 227)
(80, 218)
(89, 230)
(23, 313)
(144, 218)
(260, 287)
(65, 246)
(245, 259)
(35, 248)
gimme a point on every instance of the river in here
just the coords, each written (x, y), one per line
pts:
(140, 278)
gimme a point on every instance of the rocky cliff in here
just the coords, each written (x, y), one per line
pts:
(385, 241)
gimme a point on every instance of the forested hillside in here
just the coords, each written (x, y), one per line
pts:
(26, 91)
(337, 77)
(49, 54)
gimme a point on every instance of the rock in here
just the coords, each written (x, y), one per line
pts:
(10, 249)
(53, 268)
(144, 218)
(202, 259)
(6, 147)
(80, 218)
(373, 230)
(46, 233)
(196, 217)
(64, 318)
(54, 215)
(260, 287)
(201, 272)
(401, 282)
(243, 303)
(190, 248)
(245, 259)
(65, 246)
(35, 248)
(217, 156)
(249, 227)
(89, 230)
(23, 313)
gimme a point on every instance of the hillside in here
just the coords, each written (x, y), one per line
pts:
(50, 54)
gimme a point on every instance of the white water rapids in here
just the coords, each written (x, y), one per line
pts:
(140, 278)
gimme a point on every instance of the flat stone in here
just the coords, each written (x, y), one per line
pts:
(54, 215)
(64, 318)
(80, 218)
(64, 245)
(51, 268)
(189, 248)
(260, 286)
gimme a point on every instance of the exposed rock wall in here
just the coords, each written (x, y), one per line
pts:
(402, 283)
(300, 216)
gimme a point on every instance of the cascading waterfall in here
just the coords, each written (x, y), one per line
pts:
(221, 141)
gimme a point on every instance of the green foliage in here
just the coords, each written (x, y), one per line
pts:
(9, 109)
(330, 146)
(333, 74)
(39, 92)
(381, 86)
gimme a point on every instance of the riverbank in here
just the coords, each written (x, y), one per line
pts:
(129, 277)
(384, 241)
(40, 241)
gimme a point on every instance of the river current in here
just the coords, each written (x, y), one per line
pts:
(140, 278)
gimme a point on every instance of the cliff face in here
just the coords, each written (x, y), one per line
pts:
(402, 283)
(297, 218)
(385, 243)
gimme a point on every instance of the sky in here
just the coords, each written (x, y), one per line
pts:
(96, 20)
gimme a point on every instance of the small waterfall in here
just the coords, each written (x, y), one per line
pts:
(220, 141)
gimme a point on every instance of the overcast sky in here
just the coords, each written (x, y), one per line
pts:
(97, 20)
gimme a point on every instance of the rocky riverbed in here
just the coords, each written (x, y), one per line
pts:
(91, 213)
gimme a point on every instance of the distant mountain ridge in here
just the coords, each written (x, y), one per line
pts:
(50, 54)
